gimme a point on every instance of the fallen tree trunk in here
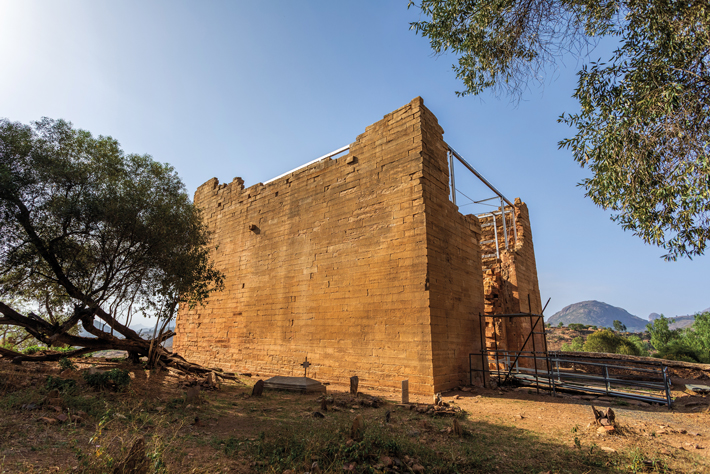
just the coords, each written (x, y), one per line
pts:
(51, 335)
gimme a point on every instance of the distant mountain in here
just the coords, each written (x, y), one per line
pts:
(596, 313)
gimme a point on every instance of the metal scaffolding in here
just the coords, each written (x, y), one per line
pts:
(504, 212)
(647, 382)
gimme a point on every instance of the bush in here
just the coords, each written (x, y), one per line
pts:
(577, 345)
(679, 350)
(65, 364)
(58, 383)
(33, 349)
(63, 349)
(610, 342)
(642, 346)
(117, 379)
(690, 345)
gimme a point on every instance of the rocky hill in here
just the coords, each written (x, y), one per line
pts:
(598, 314)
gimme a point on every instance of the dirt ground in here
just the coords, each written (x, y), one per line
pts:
(227, 430)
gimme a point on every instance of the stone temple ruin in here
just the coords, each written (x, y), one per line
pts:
(364, 265)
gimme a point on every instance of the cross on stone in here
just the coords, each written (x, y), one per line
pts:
(305, 366)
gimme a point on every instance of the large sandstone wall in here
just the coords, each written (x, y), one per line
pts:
(359, 263)
(454, 268)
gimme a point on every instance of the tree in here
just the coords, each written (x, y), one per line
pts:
(644, 125)
(698, 337)
(661, 334)
(690, 344)
(88, 232)
(618, 326)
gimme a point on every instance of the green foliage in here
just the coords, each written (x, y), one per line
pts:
(661, 334)
(33, 349)
(560, 325)
(577, 345)
(697, 337)
(66, 364)
(58, 383)
(679, 349)
(610, 342)
(63, 349)
(577, 326)
(619, 326)
(642, 346)
(116, 378)
(644, 125)
(690, 345)
(87, 230)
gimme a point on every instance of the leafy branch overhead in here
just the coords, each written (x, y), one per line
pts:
(643, 128)
(88, 232)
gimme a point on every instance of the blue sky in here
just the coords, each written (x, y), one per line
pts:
(254, 89)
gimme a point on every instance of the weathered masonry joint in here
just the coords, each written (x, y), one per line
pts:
(362, 263)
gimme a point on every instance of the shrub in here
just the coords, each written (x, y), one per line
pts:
(689, 345)
(58, 383)
(65, 364)
(610, 342)
(577, 345)
(63, 349)
(642, 346)
(33, 349)
(117, 379)
(679, 350)
(577, 326)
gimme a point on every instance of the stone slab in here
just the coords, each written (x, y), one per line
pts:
(698, 388)
(296, 384)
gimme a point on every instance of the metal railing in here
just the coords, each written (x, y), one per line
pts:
(326, 156)
(647, 384)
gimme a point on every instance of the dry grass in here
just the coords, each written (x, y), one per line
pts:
(228, 431)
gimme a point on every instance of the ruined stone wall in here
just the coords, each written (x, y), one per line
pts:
(512, 278)
(511, 283)
(333, 262)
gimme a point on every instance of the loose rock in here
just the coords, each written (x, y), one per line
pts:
(258, 388)
(357, 429)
